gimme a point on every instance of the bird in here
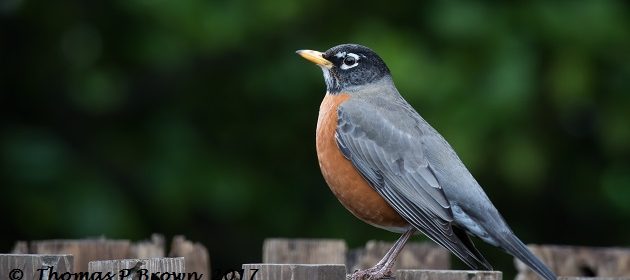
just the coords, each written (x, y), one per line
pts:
(391, 169)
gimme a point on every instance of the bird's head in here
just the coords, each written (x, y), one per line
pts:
(348, 67)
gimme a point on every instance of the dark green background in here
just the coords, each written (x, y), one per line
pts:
(128, 117)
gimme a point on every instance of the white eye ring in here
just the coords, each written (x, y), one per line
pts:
(345, 66)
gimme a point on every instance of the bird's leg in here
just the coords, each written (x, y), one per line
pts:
(398, 246)
(384, 267)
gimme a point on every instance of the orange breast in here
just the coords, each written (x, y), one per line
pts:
(343, 179)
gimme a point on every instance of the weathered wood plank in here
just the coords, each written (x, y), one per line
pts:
(415, 255)
(20, 247)
(579, 261)
(162, 268)
(593, 278)
(84, 250)
(304, 251)
(259, 271)
(195, 254)
(146, 249)
(424, 274)
(29, 266)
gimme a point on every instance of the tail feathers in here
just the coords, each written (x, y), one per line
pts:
(480, 263)
(461, 247)
(471, 258)
(515, 247)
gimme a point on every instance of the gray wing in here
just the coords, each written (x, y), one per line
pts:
(388, 152)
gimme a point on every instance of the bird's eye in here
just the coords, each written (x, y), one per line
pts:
(349, 60)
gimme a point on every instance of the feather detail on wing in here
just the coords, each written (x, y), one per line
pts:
(392, 160)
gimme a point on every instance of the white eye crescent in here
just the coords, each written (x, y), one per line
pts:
(351, 60)
(340, 54)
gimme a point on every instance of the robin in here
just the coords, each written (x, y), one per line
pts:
(392, 170)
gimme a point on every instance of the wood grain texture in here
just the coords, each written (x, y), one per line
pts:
(421, 274)
(575, 261)
(415, 255)
(134, 267)
(304, 251)
(29, 264)
(84, 250)
(195, 254)
(294, 272)
(146, 249)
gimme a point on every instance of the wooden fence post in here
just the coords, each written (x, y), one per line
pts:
(20, 247)
(422, 274)
(592, 278)
(164, 268)
(195, 255)
(263, 271)
(415, 255)
(146, 249)
(304, 251)
(29, 266)
(578, 261)
(84, 250)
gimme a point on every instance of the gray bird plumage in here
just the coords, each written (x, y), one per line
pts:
(413, 167)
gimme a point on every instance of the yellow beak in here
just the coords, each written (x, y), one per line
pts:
(315, 57)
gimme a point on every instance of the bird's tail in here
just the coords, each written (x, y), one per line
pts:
(516, 248)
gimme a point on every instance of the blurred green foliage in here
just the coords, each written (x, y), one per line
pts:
(123, 118)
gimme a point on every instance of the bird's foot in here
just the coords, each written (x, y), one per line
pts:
(374, 273)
